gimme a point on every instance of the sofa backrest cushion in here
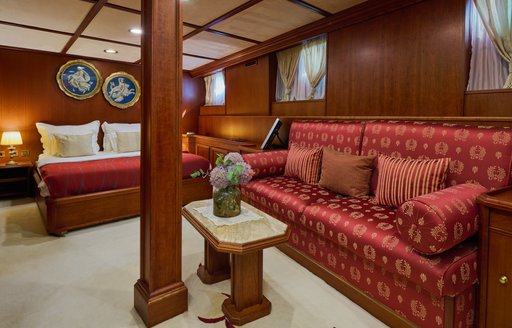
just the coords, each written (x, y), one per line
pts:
(340, 136)
(436, 222)
(480, 155)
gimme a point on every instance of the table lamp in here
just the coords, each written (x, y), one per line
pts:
(11, 138)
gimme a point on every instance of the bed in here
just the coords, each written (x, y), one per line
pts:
(82, 191)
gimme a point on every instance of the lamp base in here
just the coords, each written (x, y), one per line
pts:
(11, 162)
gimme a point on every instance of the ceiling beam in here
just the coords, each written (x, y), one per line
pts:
(87, 20)
(227, 15)
(111, 5)
(197, 56)
(34, 28)
(353, 15)
(311, 7)
(229, 35)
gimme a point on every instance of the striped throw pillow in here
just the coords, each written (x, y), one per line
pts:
(401, 179)
(303, 163)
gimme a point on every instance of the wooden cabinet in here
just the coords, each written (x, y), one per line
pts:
(496, 259)
(15, 180)
(210, 147)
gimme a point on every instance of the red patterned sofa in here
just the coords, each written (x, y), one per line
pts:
(355, 245)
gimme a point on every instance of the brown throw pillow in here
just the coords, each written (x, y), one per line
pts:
(128, 141)
(346, 174)
(303, 163)
(71, 145)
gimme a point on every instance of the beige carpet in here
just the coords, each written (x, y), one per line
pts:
(86, 278)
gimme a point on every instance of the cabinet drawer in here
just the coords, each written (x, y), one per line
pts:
(499, 290)
(501, 221)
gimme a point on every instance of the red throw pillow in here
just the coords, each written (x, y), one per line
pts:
(401, 179)
(303, 163)
(435, 222)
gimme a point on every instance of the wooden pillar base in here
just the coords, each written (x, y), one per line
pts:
(160, 306)
(248, 314)
(216, 266)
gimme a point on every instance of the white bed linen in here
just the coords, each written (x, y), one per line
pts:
(45, 159)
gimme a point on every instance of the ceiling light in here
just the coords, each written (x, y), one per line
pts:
(110, 51)
(135, 30)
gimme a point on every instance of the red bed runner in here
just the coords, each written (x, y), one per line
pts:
(78, 178)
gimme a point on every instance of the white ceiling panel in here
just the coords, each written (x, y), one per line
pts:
(133, 4)
(334, 6)
(267, 19)
(44, 13)
(190, 63)
(93, 48)
(113, 24)
(213, 45)
(32, 39)
(200, 12)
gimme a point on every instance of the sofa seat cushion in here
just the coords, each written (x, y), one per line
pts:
(403, 296)
(369, 231)
(283, 197)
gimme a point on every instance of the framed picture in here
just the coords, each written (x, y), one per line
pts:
(79, 79)
(121, 90)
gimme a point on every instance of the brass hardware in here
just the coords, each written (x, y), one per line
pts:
(503, 280)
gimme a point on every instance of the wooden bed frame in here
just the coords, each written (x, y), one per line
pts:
(68, 213)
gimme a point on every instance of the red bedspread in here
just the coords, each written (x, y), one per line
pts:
(70, 179)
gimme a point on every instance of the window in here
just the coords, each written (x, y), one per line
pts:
(294, 64)
(488, 68)
(215, 89)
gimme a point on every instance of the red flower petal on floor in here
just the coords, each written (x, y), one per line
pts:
(211, 320)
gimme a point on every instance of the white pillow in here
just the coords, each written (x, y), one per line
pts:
(47, 131)
(110, 130)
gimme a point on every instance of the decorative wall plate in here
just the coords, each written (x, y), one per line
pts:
(121, 90)
(79, 79)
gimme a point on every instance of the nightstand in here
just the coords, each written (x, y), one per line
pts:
(15, 180)
(495, 263)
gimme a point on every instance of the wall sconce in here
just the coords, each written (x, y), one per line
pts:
(11, 138)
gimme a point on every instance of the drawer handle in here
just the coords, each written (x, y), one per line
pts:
(503, 280)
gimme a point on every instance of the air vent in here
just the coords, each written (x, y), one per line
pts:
(251, 63)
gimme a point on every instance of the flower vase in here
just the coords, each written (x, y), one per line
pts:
(227, 202)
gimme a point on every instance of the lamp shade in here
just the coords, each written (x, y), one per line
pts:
(11, 138)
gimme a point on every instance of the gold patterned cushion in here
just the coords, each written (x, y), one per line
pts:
(69, 145)
(128, 141)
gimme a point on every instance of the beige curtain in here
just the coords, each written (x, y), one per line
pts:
(496, 16)
(208, 81)
(315, 53)
(287, 62)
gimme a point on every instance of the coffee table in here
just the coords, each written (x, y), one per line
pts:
(244, 243)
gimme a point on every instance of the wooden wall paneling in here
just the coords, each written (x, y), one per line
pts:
(213, 110)
(30, 94)
(408, 62)
(193, 98)
(160, 293)
(236, 127)
(299, 108)
(488, 103)
(247, 88)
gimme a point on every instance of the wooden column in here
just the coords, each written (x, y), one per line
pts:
(159, 293)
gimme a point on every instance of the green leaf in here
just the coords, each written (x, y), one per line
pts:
(197, 173)
(220, 159)
(234, 174)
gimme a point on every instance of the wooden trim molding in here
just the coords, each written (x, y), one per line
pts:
(160, 293)
(309, 6)
(353, 15)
